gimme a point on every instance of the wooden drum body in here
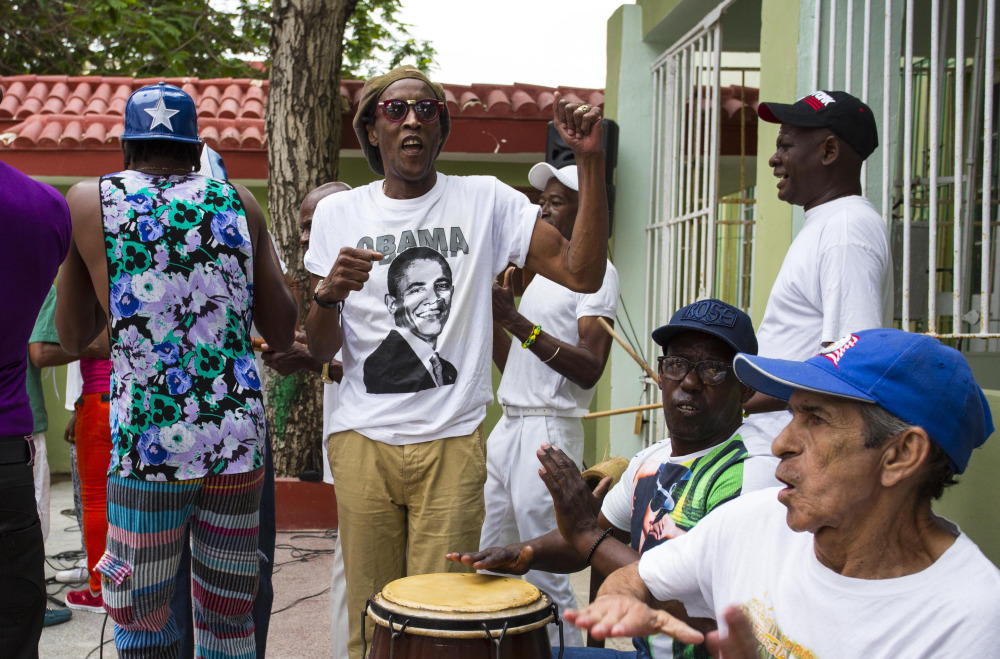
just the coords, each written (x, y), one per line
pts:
(461, 616)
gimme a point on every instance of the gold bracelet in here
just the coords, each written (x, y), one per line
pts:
(535, 331)
(546, 361)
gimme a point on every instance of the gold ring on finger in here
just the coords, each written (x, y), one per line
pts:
(584, 108)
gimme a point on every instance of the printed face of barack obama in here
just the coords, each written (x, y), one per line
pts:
(419, 299)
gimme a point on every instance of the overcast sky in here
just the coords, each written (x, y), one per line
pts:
(543, 42)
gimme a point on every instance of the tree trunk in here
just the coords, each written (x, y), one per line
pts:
(303, 142)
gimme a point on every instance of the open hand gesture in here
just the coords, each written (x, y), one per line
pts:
(740, 643)
(505, 560)
(621, 615)
(576, 506)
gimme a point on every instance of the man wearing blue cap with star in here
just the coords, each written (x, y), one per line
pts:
(848, 559)
(173, 265)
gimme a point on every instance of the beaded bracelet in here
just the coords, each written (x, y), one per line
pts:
(535, 331)
(590, 554)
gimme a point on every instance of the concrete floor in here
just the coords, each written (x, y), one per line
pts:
(303, 630)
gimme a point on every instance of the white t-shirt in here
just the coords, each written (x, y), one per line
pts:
(331, 397)
(527, 382)
(479, 225)
(687, 488)
(745, 554)
(74, 384)
(836, 279)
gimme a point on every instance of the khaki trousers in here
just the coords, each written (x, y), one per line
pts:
(401, 509)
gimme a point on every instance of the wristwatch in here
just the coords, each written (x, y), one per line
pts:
(324, 374)
(338, 305)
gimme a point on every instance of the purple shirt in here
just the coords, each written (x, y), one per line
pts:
(34, 238)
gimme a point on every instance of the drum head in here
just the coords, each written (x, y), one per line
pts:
(461, 606)
(457, 592)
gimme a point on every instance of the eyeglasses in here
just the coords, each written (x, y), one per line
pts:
(712, 373)
(396, 109)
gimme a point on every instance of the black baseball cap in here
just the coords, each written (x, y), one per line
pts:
(847, 116)
(713, 317)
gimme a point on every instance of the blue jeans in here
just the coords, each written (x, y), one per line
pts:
(591, 653)
(641, 652)
(180, 605)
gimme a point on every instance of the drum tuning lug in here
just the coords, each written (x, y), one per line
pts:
(559, 626)
(499, 639)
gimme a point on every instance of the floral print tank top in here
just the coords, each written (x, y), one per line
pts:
(185, 394)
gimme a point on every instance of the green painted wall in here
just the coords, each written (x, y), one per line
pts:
(629, 103)
(972, 503)
(778, 71)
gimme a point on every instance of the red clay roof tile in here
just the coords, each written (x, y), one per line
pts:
(84, 113)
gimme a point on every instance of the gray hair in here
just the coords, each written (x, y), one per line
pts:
(879, 426)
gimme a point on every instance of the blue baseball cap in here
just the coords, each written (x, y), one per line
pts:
(161, 112)
(713, 317)
(912, 376)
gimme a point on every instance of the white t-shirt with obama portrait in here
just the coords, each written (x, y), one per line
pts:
(417, 362)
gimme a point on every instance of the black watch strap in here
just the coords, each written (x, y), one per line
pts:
(338, 305)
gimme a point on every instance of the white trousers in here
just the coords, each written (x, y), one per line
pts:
(519, 506)
(338, 606)
(42, 482)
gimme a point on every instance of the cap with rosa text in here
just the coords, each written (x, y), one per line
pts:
(713, 317)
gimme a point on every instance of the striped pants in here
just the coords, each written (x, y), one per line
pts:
(146, 531)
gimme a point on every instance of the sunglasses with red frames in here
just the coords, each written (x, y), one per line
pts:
(395, 109)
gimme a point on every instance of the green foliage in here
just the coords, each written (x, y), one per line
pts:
(133, 37)
(176, 38)
(376, 41)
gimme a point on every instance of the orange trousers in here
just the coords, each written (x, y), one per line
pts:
(93, 455)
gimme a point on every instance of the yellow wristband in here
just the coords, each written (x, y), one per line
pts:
(535, 331)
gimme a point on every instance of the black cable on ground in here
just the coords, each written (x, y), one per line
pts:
(299, 601)
(100, 647)
(302, 554)
(71, 556)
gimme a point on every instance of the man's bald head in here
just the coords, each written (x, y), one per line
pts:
(309, 203)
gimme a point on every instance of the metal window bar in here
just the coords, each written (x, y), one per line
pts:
(683, 234)
(941, 201)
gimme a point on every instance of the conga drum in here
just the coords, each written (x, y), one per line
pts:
(461, 616)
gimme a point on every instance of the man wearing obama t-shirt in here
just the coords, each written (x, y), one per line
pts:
(410, 466)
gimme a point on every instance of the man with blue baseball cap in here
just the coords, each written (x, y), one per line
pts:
(848, 559)
(173, 265)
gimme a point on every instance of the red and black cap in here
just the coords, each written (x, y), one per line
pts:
(847, 116)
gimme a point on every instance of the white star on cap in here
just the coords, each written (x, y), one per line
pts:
(161, 115)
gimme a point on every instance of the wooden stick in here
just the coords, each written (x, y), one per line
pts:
(624, 410)
(628, 349)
